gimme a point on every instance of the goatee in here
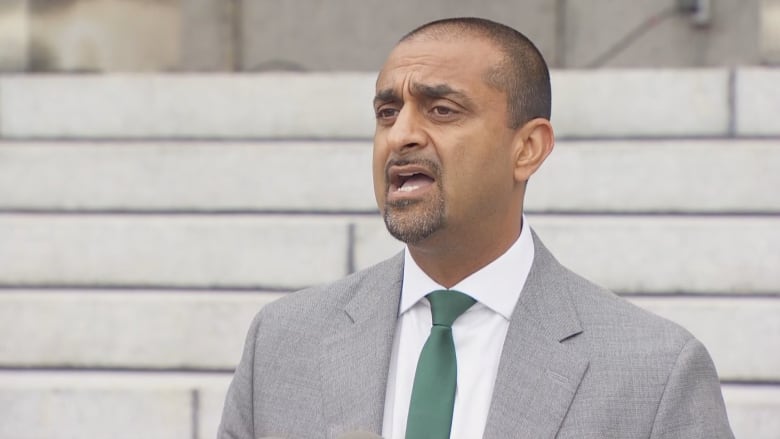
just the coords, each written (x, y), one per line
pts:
(412, 221)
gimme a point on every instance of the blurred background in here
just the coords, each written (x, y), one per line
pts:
(167, 166)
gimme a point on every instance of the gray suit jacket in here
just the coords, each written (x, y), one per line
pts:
(578, 362)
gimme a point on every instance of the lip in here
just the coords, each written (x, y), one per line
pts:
(398, 174)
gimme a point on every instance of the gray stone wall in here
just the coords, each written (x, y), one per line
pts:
(354, 35)
(144, 219)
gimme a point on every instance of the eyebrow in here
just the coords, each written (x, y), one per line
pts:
(386, 95)
(437, 91)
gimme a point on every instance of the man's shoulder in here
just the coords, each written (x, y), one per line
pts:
(607, 316)
(322, 300)
(602, 314)
(642, 370)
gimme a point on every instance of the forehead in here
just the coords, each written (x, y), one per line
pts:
(460, 62)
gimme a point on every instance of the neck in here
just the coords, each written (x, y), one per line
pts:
(448, 260)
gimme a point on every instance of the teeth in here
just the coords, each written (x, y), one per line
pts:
(408, 188)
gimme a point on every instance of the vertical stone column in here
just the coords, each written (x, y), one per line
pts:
(209, 35)
(323, 35)
(104, 35)
(14, 35)
(770, 31)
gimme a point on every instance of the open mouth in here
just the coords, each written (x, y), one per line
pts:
(409, 179)
(412, 182)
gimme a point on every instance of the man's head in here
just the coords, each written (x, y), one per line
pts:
(522, 74)
(462, 110)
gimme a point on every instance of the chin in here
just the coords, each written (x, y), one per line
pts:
(412, 228)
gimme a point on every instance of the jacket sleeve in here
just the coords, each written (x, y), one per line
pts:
(238, 413)
(692, 404)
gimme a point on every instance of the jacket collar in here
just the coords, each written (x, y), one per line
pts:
(356, 355)
(538, 376)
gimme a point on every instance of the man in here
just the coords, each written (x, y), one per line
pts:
(527, 349)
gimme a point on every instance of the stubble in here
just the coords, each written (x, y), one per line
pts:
(412, 221)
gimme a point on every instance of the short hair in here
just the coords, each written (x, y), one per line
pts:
(522, 74)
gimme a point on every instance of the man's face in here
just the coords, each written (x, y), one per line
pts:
(442, 147)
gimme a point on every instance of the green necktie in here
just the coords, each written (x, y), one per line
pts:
(433, 394)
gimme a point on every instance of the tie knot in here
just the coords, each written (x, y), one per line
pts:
(448, 305)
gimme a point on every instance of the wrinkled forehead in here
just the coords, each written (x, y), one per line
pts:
(459, 63)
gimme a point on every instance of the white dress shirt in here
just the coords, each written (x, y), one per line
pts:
(479, 337)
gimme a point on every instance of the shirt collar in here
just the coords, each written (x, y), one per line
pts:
(496, 286)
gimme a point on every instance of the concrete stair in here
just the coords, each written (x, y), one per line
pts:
(145, 219)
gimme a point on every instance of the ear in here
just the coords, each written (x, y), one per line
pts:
(534, 141)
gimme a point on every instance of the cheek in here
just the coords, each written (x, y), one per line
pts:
(378, 167)
(480, 171)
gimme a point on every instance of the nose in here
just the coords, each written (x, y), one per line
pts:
(407, 132)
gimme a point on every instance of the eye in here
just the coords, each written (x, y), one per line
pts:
(443, 111)
(385, 113)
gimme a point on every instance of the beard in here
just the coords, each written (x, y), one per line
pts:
(411, 221)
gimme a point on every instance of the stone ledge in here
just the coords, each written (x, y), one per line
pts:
(109, 404)
(187, 106)
(72, 413)
(620, 176)
(135, 330)
(656, 254)
(172, 250)
(740, 334)
(154, 331)
(212, 401)
(715, 176)
(117, 380)
(758, 102)
(640, 103)
(587, 104)
(752, 409)
(166, 176)
(642, 254)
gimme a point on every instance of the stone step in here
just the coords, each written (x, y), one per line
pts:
(712, 176)
(172, 250)
(757, 100)
(753, 410)
(187, 106)
(650, 254)
(741, 335)
(80, 404)
(129, 329)
(192, 331)
(123, 405)
(586, 104)
(629, 254)
(691, 176)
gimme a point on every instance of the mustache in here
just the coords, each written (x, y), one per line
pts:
(433, 166)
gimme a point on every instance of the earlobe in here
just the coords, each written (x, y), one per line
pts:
(534, 141)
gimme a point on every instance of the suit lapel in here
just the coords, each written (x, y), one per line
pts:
(537, 379)
(538, 375)
(356, 355)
